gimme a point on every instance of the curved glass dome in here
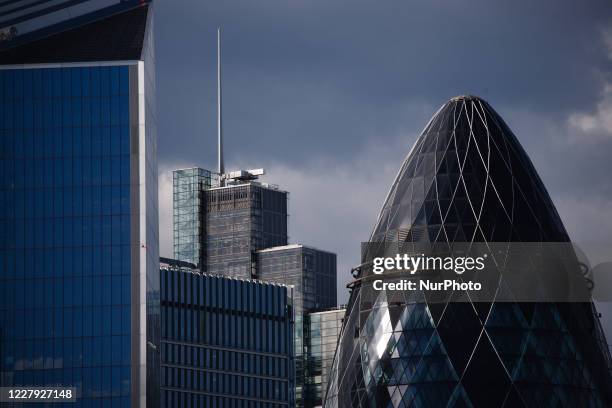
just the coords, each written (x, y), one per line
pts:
(467, 179)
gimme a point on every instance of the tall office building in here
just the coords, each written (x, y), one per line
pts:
(467, 179)
(321, 333)
(226, 342)
(79, 283)
(241, 231)
(238, 228)
(188, 214)
(219, 228)
(312, 273)
(240, 219)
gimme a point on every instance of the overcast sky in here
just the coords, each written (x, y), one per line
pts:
(330, 96)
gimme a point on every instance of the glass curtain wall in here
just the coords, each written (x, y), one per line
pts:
(188, 214)
(321, 337)
(225, 342)
(467, 179)
(65, 231)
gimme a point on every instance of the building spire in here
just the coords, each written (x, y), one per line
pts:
(221, 167)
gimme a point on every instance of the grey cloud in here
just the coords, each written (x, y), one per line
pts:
(596, 125)
(333, 75)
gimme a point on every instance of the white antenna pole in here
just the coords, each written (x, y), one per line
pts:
(221, 168)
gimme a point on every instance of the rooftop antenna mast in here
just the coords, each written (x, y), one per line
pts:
(221, 167)
(231, 177)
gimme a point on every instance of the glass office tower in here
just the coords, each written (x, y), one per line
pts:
(241, 219)
(243, 224)
(467, 179)
(226, 342)
(321, 338)
(188, 186)
(312, 273)
(79, 283)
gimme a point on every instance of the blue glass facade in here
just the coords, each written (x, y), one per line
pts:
(78, 232)
(225, 342)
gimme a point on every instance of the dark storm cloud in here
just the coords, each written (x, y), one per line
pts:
(322, 77)
(330, 96)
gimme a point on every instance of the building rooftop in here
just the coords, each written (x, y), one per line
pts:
(341, 308)
(291, 246)
(187, 267)
(175, 263)
(465, 98)
(119, 37)
(274, 187)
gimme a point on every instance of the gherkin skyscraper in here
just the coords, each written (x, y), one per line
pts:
(467, 179)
